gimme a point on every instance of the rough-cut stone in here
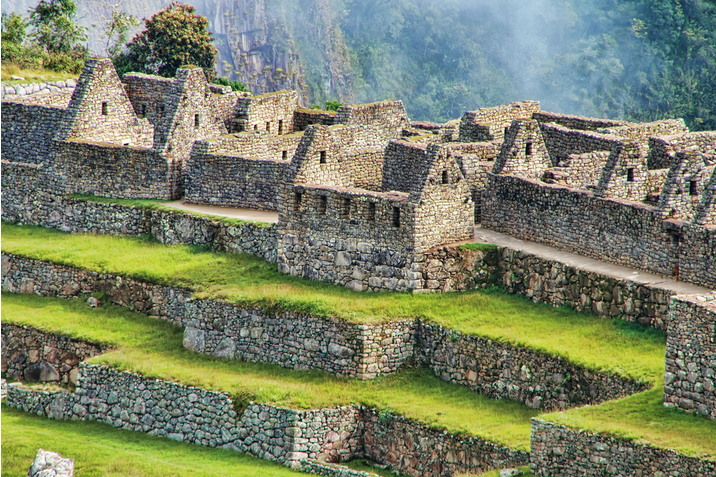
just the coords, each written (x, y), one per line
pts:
(51, 464)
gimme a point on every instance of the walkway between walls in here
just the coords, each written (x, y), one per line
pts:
(266, 216)
(483, 235)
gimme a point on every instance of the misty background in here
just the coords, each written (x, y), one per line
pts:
(623, 59)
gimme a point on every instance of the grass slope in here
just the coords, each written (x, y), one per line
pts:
(101, 450)
(599, 344)
(31, 75)
(153, 348)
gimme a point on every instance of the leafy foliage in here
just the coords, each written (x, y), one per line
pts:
(235, 85)
(174, 37)
(115, 30)
(54, 25)
(333, 105)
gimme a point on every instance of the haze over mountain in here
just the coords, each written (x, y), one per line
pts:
(633, 59)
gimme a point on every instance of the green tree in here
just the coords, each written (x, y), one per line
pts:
(13, 29)
(174, 37)
(54, 26)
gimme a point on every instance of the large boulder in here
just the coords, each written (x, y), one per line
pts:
(51, 464)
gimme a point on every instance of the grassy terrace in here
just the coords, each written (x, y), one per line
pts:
(599, 344)
(102, 450)
(154, 348)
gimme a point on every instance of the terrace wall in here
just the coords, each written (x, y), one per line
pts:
(304, 341)
(298, 439)
(690, 378)
(30, 354)
(557, 450)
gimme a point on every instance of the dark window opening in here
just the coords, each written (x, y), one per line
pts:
(506, 129)
(528, 149)
(268, 126)
(142, 110)
(284, 155)
(105, 108)
(256, 127)
(445, 177)
(297, 202)
(396, 216)
(676, 239)
(280, 126)
(346, 208)
(161, 109)
(371, 211)
(693, 188)
(630, 174)
(322, 204)
(323, 157)
(196, 120)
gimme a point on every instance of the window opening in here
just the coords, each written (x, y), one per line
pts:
(506, 129)
(322, 205)
(323, 157)
(346, 208)
(528, 149)
(142, 110)
(105, 108)
(693, 188)
(630, 174)
(297, 202)
(445, 177)
(268, 126)
(196, 120)
(284, 155)
(280, 126)
(371, 211)
(396, 216)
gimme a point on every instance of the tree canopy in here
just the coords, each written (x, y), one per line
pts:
(174, 37)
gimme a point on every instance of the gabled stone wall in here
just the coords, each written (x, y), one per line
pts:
(576, 122)
(490, 124)
(27, 131)
(272, 112)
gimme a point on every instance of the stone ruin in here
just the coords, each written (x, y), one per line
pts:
(363, 192)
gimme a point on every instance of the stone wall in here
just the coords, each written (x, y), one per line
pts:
(490, 124)
(576, 122)
(690, 378)
(388, 117)
(29, 354)
(272, 112)
(184, 413)
(628, 234)
(502, 371)
(118, 171)
(410, 448)
(27, 131)
(300, 341)
(303, 118)
(562, 142)
(557, 450)
(11, 92)
(239, 170)
(662, 149)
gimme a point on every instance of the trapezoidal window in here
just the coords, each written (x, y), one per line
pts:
(396, 216)
(371, 211)
(142, 110)
(506, 129)
(322, 158)
(693, 188)
(284, 155)
(268, 126)
(630, 174)
(280, 126)
(105, 108)
(446, 179)
(528, 149)
(322, 204)
(297, 200)
(346, 208)
(197, 121)
(256, 127)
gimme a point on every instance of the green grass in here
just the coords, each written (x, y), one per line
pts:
(643, 418)
(101, 450)
(485, 247)
(31, 75)
(599, 344)
(153, 348)
(496, 473)
(160, 206)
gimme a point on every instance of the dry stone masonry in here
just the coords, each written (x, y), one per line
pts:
(690, 377)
